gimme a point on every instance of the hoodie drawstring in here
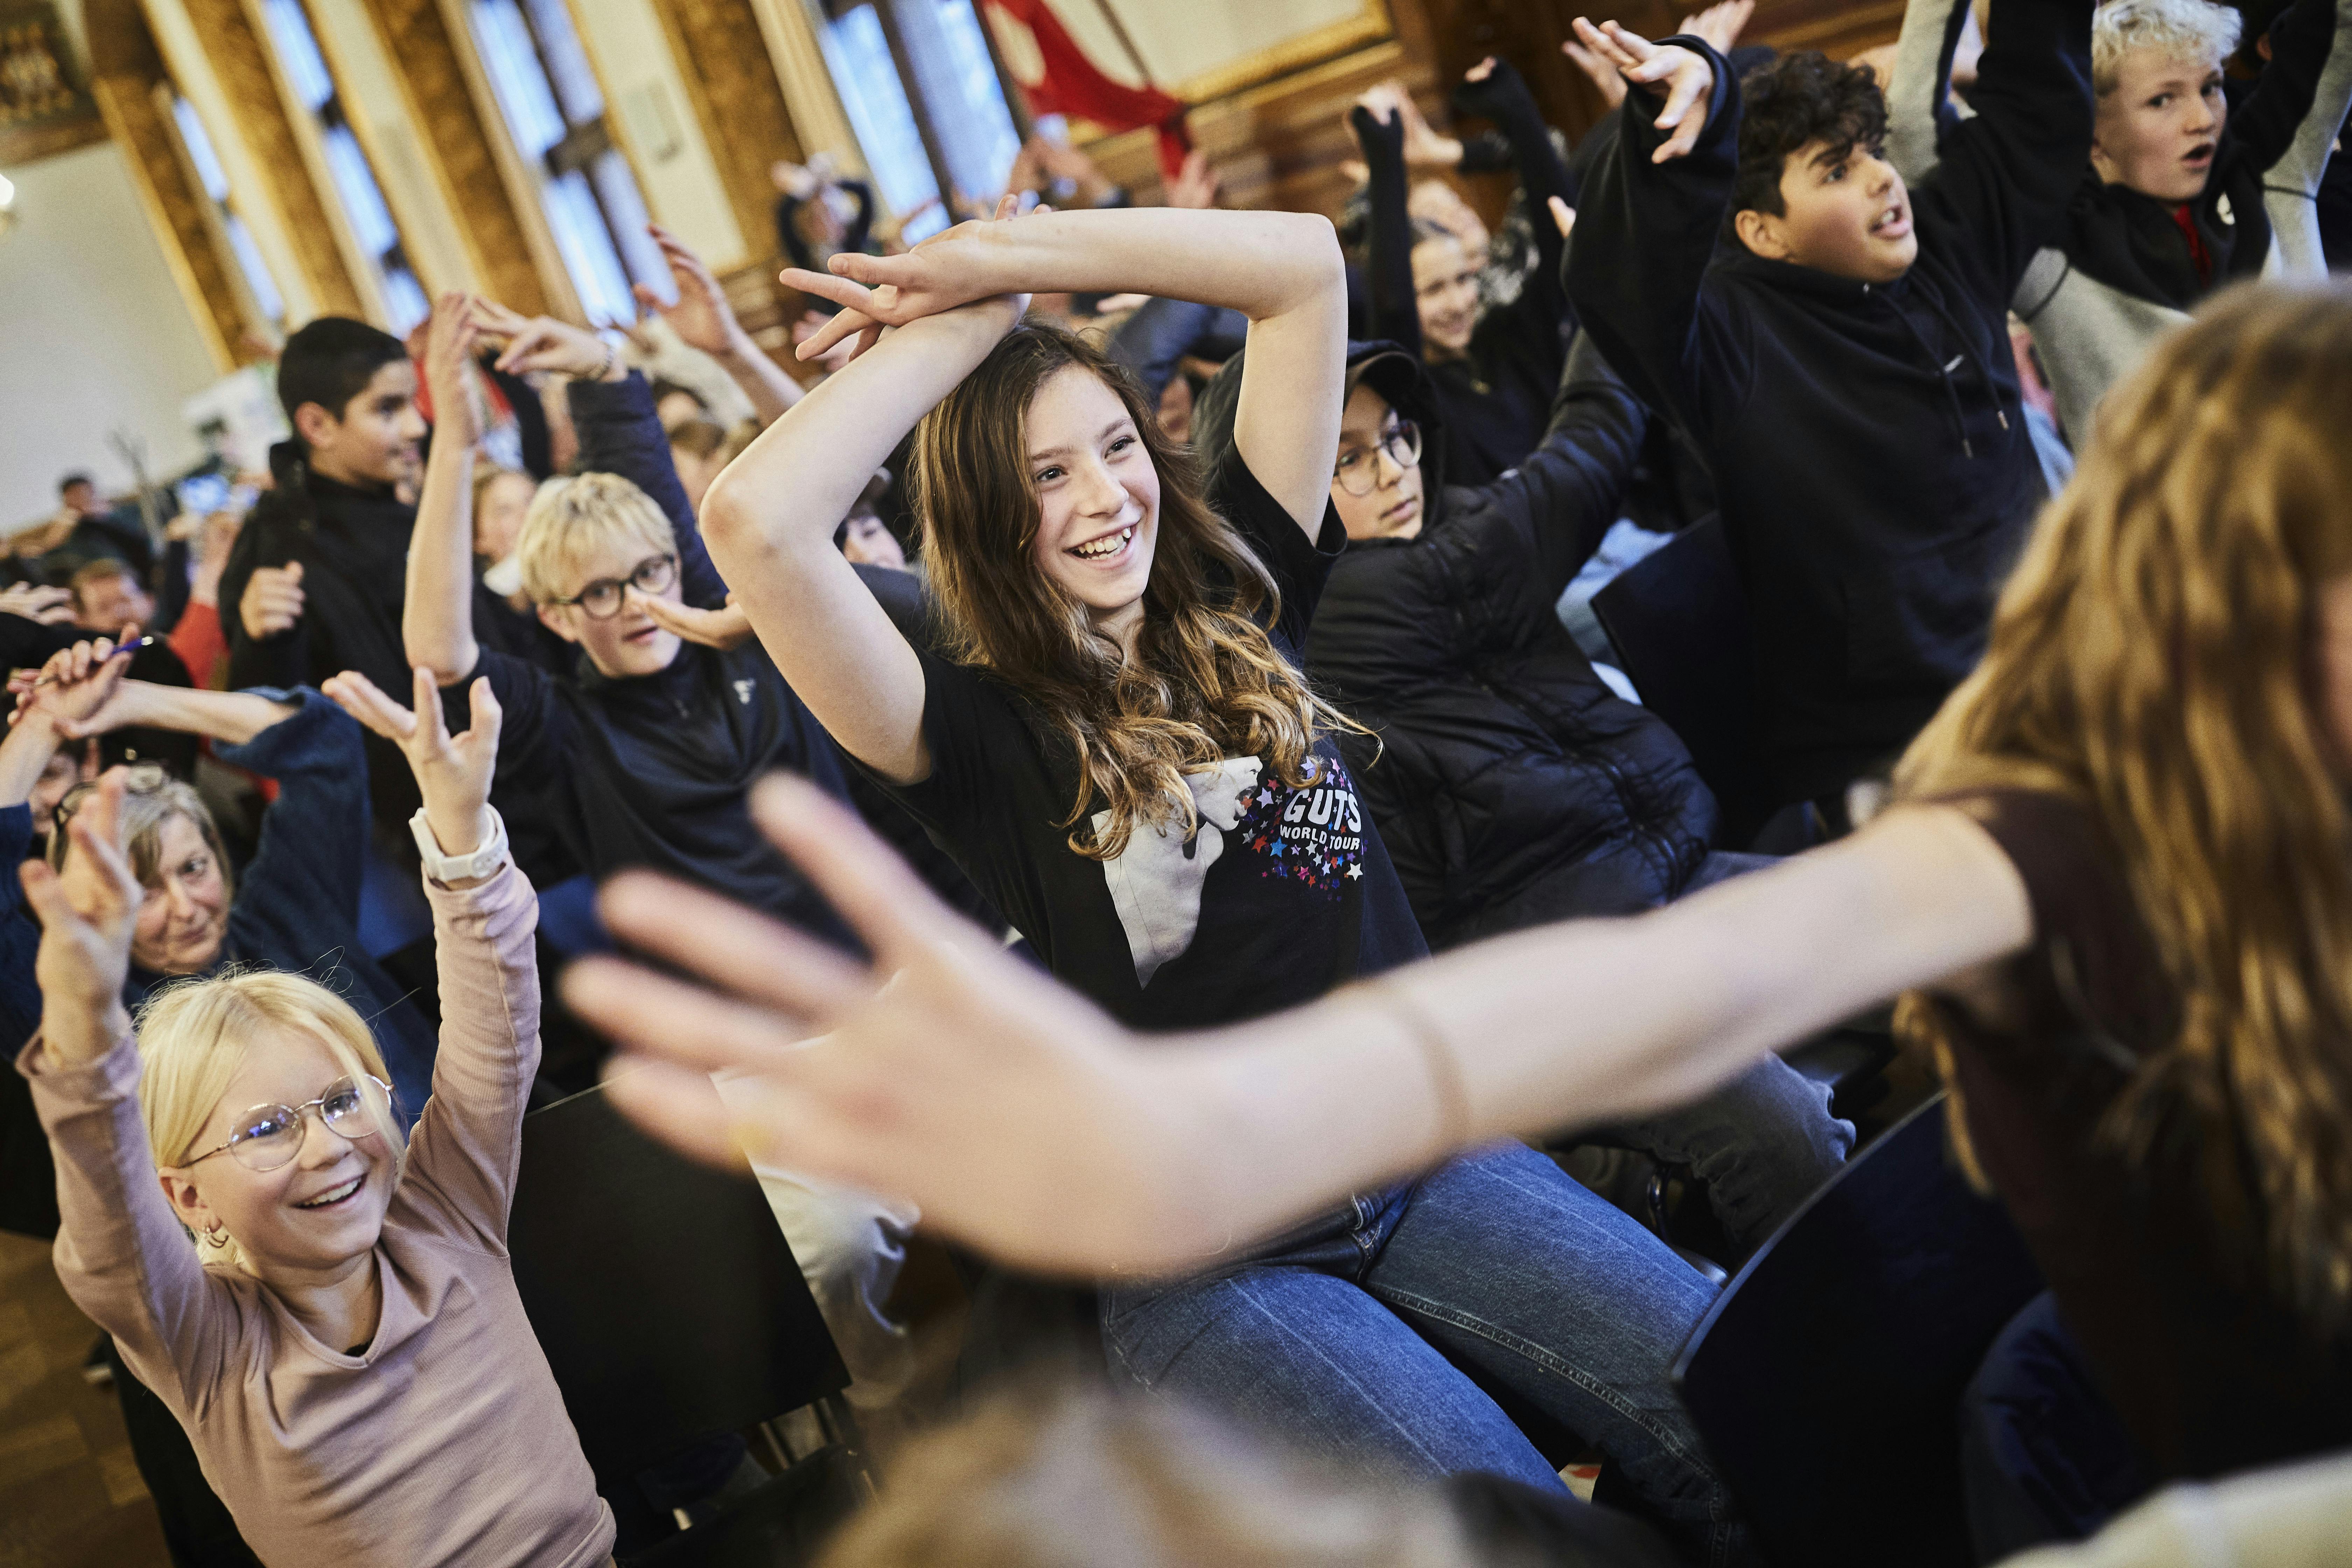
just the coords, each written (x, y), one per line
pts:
(1951, 392)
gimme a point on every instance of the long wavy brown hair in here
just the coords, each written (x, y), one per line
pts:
(1206, 681)
(2155, 656)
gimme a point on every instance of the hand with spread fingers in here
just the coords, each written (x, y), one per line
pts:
(544, 343)
(1685, 80)
(701, 317)
(88, 913)
(453, 772)
(452, 335)
(947, 270)
(721, 629)
(945, 1072)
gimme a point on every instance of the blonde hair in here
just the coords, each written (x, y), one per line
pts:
(195, 1035)
(569, 519)
(2152, 657)
(1079, 1479)
(2193, 30)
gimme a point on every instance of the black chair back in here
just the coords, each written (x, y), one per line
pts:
(1827, 1379)
(1679, 621)
(666, 1298)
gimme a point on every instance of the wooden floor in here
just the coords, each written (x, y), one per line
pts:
(71, 1495)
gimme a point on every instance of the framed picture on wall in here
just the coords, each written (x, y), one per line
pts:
(45, 105)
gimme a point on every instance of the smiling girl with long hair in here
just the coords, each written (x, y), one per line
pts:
(1114, 740)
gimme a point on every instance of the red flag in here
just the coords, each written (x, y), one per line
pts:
(1072, 86)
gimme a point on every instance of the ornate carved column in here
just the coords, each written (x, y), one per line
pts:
(442, 106)
(724, 60)
(126, 70)
(237, 56)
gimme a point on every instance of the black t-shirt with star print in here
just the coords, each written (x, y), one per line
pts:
(1280, 895)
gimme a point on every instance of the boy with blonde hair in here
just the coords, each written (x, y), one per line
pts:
(2184, 192)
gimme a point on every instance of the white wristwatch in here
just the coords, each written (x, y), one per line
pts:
(448, 868)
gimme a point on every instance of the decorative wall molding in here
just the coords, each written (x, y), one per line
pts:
(240, 60)
(722, 56)
(460, 147)
(176, 207)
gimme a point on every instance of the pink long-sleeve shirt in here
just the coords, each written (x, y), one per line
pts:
(446, 1442)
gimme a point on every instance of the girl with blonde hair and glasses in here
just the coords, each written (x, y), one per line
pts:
(343, 1342)
(2115, 892)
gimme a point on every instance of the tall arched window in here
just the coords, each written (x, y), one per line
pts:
(554, 109)
(355, 185)
(915, 79)
(259, 300)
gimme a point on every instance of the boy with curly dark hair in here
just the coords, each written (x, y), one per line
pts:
(1843, 359)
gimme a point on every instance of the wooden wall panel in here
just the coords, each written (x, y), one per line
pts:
(235, 55)
(1281, 144)
(441, 105)
(724, 57)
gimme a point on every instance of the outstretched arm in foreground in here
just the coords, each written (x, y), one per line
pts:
(1026, 1122)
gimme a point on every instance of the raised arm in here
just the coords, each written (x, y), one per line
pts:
(2010, 170)
(2311, 66)
(771, 515)
(1571, 484)
(121, 1251)
(1280, 269)
(1396, 304)
(436, 617)
(1653, 209)
(1919, 96)
(1496, 90)
(463, 1152)
(1023, 1120)
(703, 319)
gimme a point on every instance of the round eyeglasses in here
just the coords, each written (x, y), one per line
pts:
(1357, 473)
(600, 600)
(268, 1136)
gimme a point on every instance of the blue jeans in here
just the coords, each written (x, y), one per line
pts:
(1340, 1342)
(1763, 1144)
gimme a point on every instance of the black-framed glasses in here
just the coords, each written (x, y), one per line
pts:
(1355, 471)
(600, 600)
(268, 1136)
(139, 778)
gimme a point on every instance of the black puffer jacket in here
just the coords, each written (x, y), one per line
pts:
(1510, 785)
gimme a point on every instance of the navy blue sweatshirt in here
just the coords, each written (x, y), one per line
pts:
(1867, 440)
(652, 770)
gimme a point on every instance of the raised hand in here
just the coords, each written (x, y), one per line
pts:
(1720, 24)
(542, 342)
(721, 629)
(451, 338)
(88, 914)
(936, 276)
(84, 694)
(1603, 74)
(947, 1072)
(1195, 184)
(35, 601)
(1685, 80)
(701, 317)
(272, 601)
(453, 772)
